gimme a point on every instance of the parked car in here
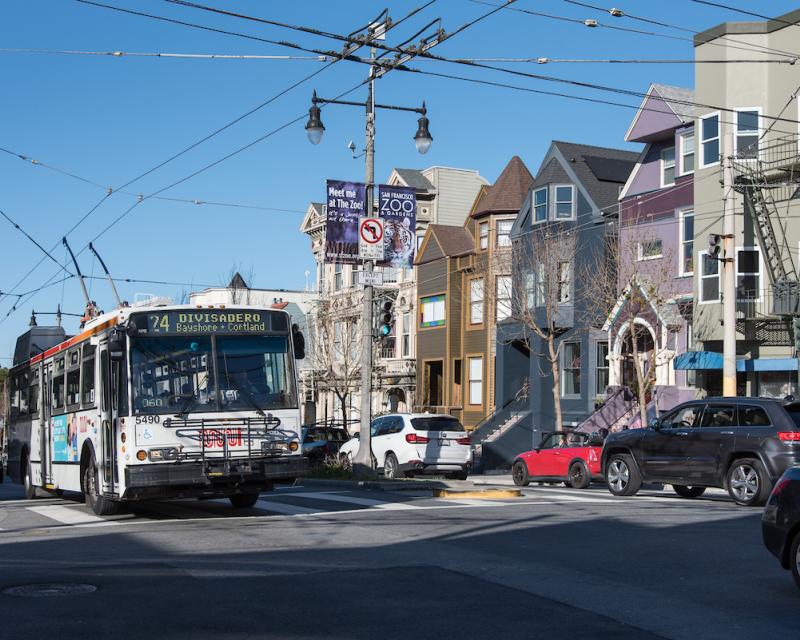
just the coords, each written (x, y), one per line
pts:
(407, 444)
(780, 524)
(739, 444)
(569, 457)
(322, 441)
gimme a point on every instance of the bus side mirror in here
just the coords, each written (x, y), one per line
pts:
(299, 343)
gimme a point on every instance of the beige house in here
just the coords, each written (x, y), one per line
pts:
(751, 115)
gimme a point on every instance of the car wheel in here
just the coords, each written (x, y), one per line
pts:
(622, 476)
(101, 505)
(519, 473)
(579, 476)
(243, 500)
(794, 559)
(747, 482)
(688, 492)
(390, 467)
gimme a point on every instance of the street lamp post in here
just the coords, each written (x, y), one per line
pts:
(362, 464)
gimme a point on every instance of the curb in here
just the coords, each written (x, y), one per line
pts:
(480, 494)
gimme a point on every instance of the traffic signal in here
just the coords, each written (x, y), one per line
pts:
(385, 317)
(714, 245)
(796, 327)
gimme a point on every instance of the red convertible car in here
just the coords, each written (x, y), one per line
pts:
(569, 457)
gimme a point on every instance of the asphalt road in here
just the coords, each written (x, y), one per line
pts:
(312, 563)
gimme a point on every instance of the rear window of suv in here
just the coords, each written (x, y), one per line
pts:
(436, 423)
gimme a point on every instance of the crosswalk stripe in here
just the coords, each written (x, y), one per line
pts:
(475, 502)
(67, 515)
(283, 508)
(364, 502)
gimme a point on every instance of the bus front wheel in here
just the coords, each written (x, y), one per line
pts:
(91, 491)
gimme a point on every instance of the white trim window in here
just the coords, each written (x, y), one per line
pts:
(337, 276)
(540, 293)
(540, 205)
(651, 249)
(475, 381)
(747, 132)
(564, 201)
(686, 258)
(406, 335)
(530, 289)
(503, 289)
(668, 166)
(601, 368)
(504, 232)
(687, 152)
(709, 141)
(483, 235)
(571, 369)
(748, 274)
(476, 296)
(709, 278)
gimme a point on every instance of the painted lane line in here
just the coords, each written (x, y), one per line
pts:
(69, 515)
(284, 509)
(365, 502)
(474, 502)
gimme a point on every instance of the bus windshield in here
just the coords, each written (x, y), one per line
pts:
(179, 375)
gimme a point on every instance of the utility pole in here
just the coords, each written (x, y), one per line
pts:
(362, 464)
(728, 272)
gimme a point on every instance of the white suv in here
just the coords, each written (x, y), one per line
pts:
(405, 444)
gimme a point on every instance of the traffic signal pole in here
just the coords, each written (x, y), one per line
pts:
(728, 273)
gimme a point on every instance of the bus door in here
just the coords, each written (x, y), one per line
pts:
(45, 375)
(108, 461)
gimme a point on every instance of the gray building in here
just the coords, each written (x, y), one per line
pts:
(750, 115)
(574, 194)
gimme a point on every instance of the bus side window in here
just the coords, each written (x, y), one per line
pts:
(33, 396)
(104, 382)
(14, 393)
(59, 384)
(87, 376)
(24, 390)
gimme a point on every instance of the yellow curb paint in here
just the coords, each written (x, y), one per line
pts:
(488, 494)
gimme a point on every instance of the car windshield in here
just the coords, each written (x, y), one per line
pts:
(563, 440)
(179, 374)
(436, 423)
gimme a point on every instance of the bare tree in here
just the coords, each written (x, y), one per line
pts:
(542, 262)
(336, 349)
(634, 279)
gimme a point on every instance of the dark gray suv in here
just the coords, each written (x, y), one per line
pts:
(739, 444)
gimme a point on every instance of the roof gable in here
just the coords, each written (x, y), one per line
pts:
(508, 193)
(663, 109)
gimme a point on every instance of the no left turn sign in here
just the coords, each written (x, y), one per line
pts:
(370, 238)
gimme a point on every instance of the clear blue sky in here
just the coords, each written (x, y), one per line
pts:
(109, 119)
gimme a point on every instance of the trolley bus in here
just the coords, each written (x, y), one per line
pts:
(157, 400)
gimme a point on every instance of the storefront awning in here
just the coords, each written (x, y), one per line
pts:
(709, 360)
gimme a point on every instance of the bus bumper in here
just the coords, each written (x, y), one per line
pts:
(210, 478)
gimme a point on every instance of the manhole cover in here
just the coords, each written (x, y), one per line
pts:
(47, 589)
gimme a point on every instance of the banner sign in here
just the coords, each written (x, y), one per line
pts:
(345, 204)
(370, 238)
(398, 208)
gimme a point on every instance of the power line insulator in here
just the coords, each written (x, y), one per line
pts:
(590, 22)
(617, 13)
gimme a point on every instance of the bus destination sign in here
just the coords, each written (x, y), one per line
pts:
(206, 322)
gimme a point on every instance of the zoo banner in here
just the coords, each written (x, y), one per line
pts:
(345, 204)
(398, 208)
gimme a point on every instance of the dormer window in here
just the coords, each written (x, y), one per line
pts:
(540, 205)
(564, 202)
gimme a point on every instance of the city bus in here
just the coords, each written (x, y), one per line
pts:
(157, 400)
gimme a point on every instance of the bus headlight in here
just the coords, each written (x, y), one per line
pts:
(167, 453)
(293, 446)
